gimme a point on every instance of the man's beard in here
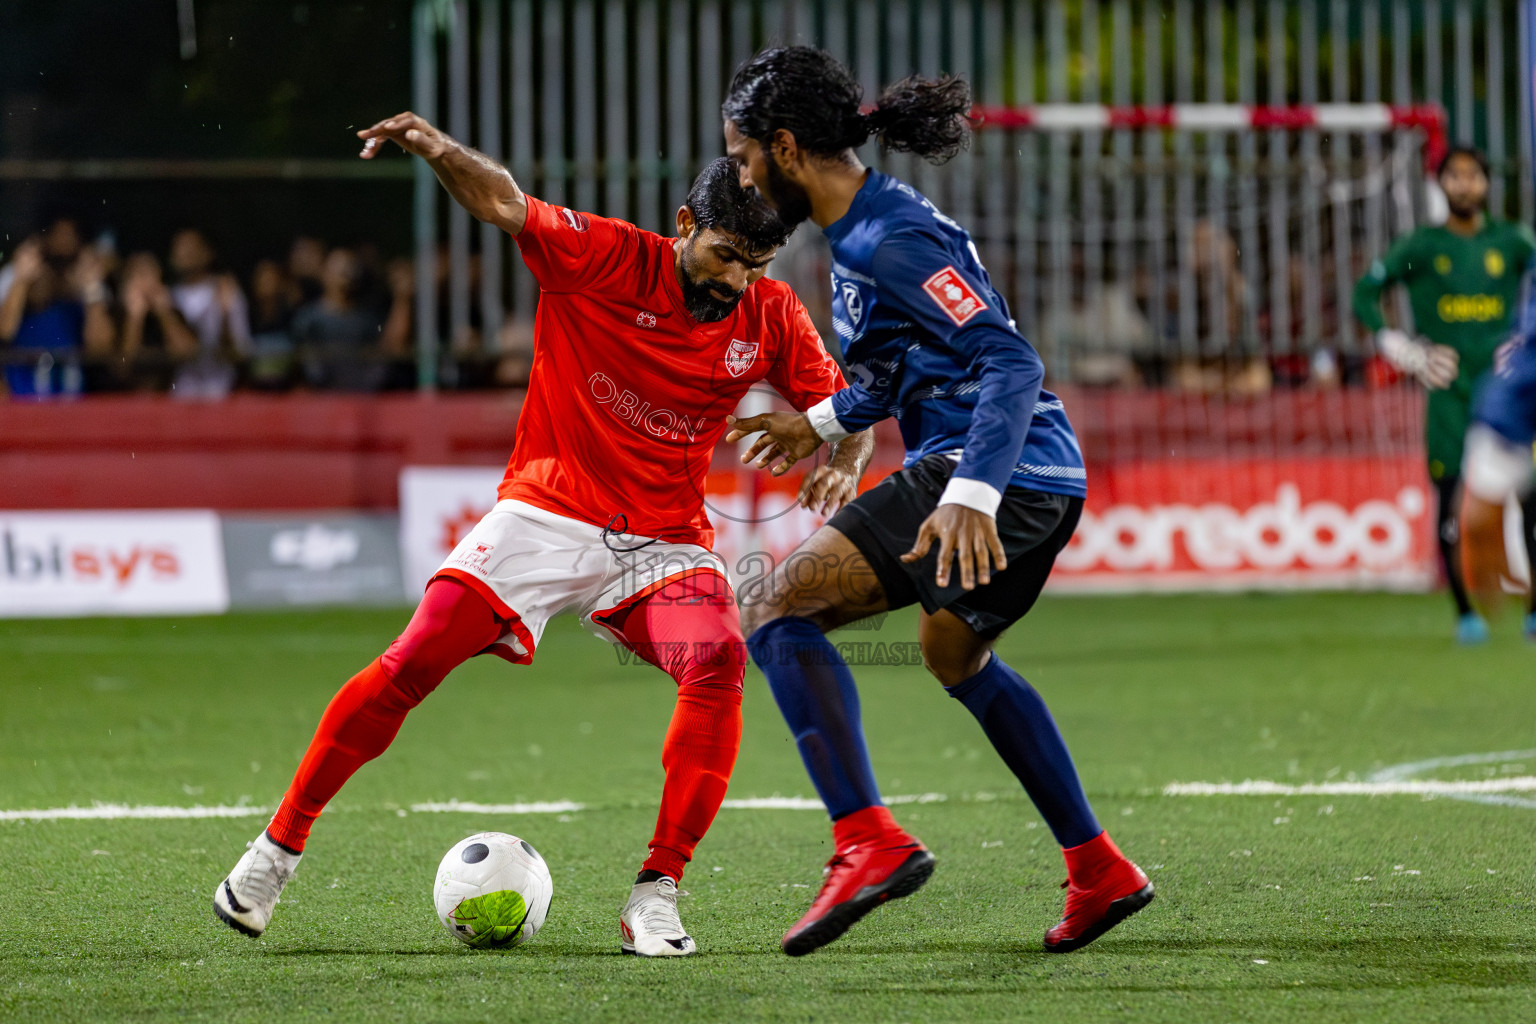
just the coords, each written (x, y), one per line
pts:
(698, 295)
(788, 200)
(1464, 210)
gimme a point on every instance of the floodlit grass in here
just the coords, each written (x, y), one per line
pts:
(1301, 908)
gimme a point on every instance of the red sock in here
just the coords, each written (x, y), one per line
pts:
(698, 755)
(451, 624)
(691, 629)
(357, 726)
(870, 825)
(1089, 862)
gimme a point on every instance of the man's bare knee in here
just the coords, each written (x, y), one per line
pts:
(826, 580)
(951, 671)
(952, 650)
(757, 614)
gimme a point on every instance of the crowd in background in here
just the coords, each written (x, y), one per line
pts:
(1130, 331)
(76, 317)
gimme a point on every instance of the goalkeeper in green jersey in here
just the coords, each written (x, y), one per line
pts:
(1463, 279)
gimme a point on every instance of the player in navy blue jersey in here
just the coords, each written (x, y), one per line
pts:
(1498, 465)
(991, 491)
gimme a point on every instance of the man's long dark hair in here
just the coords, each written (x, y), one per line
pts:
(811, 94)
(718, 201)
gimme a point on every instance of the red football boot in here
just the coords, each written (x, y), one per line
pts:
(1103, 889)
(875, 861)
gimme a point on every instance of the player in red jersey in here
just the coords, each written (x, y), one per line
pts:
(643, 345)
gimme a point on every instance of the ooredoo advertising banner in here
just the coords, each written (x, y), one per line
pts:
(1320, 522)
(111, 563)
(1323, 522)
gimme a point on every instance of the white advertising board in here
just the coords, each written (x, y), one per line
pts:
(111, 563)
(439, 505)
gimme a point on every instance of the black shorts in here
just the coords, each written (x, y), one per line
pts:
(883, 523)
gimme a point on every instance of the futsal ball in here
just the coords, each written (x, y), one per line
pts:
(493, 891)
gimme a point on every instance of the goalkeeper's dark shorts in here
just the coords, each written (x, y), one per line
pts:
(883, 523)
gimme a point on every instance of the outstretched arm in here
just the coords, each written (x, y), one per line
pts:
(479, 184)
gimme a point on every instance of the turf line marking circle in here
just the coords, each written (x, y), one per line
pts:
(1411, 768)
(1394, 780)
(1407, 787)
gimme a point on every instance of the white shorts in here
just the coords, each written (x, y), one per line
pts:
(532, 565)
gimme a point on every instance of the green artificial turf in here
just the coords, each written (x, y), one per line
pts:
(1347, 908)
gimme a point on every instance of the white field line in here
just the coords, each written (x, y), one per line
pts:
(103, 812)
(110, 811)
(1510, 761)
(801, 803)
(1402, 787)
(773, 803)
(461, 807)
(1384, 783)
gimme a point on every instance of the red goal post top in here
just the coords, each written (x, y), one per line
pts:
(1428, 118)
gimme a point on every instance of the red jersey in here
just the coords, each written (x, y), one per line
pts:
(628, 394)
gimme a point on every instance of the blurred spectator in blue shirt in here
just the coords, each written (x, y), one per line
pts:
(53, 313)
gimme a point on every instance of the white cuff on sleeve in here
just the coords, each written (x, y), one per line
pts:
(824, 421)
(1493, 467)
(976, 494)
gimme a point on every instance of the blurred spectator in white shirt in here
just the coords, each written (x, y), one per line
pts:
(214, 307)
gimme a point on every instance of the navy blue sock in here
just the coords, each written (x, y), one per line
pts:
(1020, 727)
(816, 694)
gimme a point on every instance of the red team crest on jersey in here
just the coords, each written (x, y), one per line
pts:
(954, 295)
(576, 221)
(740, 356)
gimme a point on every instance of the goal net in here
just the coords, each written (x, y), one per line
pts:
(1186, 273)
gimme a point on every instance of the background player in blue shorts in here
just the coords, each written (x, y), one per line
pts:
(1498, 465)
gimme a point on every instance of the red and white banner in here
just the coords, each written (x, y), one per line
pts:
(111, 563)
(1429, 118)
(1236, 524)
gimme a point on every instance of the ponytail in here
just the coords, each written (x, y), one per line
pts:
(928, 117)
(811, 94)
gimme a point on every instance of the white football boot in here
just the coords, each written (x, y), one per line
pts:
(245, 899)
(649, 925)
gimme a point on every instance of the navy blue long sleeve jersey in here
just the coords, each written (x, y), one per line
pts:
(1507, 402)
(1498, 459)
(928, 340)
